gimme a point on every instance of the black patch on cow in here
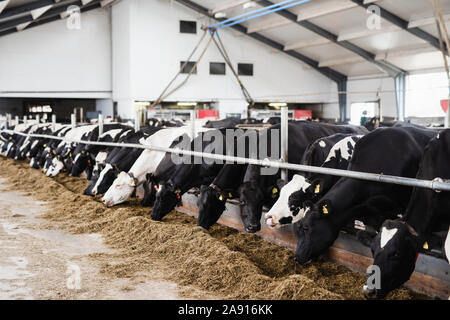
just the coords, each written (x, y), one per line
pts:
(286, 220)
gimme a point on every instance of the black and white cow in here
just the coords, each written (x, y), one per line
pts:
(390, 151)
(119, 159)
(254, 191)
(127, 182)
(85, 154)
(196, 173)
(257, 190)
(396, 246)
(330, 152)
(64, 152)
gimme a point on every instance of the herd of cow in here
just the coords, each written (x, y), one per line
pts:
(398, 220)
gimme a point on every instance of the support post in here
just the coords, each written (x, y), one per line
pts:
(192, 124)
(284, 141)
(25, 119)
(400, 95)
(100, 124)
(16, 118)
(81, 115)
(73, 120)
(8, 120)
(53, 122)
(137, 121)
(38, 119)
(342, 95)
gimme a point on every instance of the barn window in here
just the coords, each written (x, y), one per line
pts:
(245, 69)
(217, 68)
(188, 67)
(188, 27)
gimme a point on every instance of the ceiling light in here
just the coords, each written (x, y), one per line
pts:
(278, 104)
(186, 104)
(248, 5)
(219, 15)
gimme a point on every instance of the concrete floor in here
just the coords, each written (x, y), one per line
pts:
(48, 264)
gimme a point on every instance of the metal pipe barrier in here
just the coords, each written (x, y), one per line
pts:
(436, 184)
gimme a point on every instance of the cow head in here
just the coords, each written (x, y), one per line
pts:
(105, 179)
(151, 187)
(121, 189)
(81, 162)
(280, 213)
(315, 233)
(167, 198)
(251, 199)
(56, 167)
(34, 163)
(211, 205)
(395, 252)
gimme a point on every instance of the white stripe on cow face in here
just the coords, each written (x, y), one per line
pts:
(101, 177)
(281, 209)
(101, 157)
(77, 157)
(387, 235)
(447, 245)
(55, 168)
(342, 145)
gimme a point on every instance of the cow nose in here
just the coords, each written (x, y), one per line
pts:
(94, 192)
(270, 222)
(252, 228)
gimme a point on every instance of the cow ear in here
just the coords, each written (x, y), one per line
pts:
(316, 186)
(325, 207)
(222, 196)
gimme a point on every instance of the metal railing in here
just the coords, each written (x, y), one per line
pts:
(436, 184)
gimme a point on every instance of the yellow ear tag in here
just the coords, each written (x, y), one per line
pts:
(230, 195)
(324, 209)
(317, 190)
(425, 245)
(274, 191)
(45, 146)
(221, 197)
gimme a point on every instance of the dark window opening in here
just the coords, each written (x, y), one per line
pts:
(188, 27)
(245, 69)
(217, 68)
(188, 67)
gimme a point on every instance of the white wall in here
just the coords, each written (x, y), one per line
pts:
(370, 90)
(53, 61)
(156, 47)
(105, 106)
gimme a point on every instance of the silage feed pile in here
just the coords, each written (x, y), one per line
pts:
(223, 262)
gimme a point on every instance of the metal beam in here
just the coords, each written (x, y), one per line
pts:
(3, 4)
(328, 72)
(46, 18)
(25, 8)
(384, 66)
(13, 23)
(403, 24)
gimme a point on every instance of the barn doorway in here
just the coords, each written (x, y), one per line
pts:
(361, 112)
